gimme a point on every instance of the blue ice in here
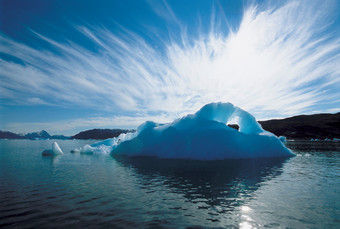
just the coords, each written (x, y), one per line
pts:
(204, 135)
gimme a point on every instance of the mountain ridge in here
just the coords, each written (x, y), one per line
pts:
(305, 127)
(99, 134)
(31, 136)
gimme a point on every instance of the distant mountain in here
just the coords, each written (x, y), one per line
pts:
(32, 136)
(317, 126)
(10, 135)
(38, 135)
(99, 134)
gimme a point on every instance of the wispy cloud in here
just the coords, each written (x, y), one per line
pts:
(37, 101)
(281, 61)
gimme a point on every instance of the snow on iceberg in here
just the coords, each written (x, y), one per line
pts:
(204, 135)
(103, 147)
(54, 151)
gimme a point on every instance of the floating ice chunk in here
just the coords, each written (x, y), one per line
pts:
(204, 135)
(97, 148)
(104, 147)
(87, 149)
(54, 151)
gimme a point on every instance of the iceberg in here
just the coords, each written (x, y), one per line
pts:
(103, 147)
(282, 138)
(204, 135)
(54, 151)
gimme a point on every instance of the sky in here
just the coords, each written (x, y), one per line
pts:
(68, 66)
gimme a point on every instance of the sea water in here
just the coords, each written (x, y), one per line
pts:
(101, 191)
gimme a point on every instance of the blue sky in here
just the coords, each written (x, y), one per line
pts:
(68, 66)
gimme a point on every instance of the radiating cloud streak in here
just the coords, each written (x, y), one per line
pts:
(281, 61)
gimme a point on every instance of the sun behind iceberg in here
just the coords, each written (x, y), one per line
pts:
(204, 135)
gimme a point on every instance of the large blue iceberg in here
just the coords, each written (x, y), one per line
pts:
(204, 135)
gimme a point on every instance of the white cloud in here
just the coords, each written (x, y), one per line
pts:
(36, 101)
(280, 61)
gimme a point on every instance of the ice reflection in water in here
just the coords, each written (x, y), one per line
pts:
(220, 188)
(52, 158)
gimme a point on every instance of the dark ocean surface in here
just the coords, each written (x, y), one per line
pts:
(101, 191)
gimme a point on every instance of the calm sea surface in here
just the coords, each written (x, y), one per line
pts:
(101, 191)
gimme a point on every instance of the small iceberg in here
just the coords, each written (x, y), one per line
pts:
(204, 135)
(104, 147)
(54, 151)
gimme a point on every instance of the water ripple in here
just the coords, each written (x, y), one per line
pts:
(105, 192)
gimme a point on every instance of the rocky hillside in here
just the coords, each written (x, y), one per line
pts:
(99, 134)
(317, 126)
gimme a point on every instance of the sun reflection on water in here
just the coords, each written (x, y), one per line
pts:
(245, 225)
(246, 220)
(245, 208)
